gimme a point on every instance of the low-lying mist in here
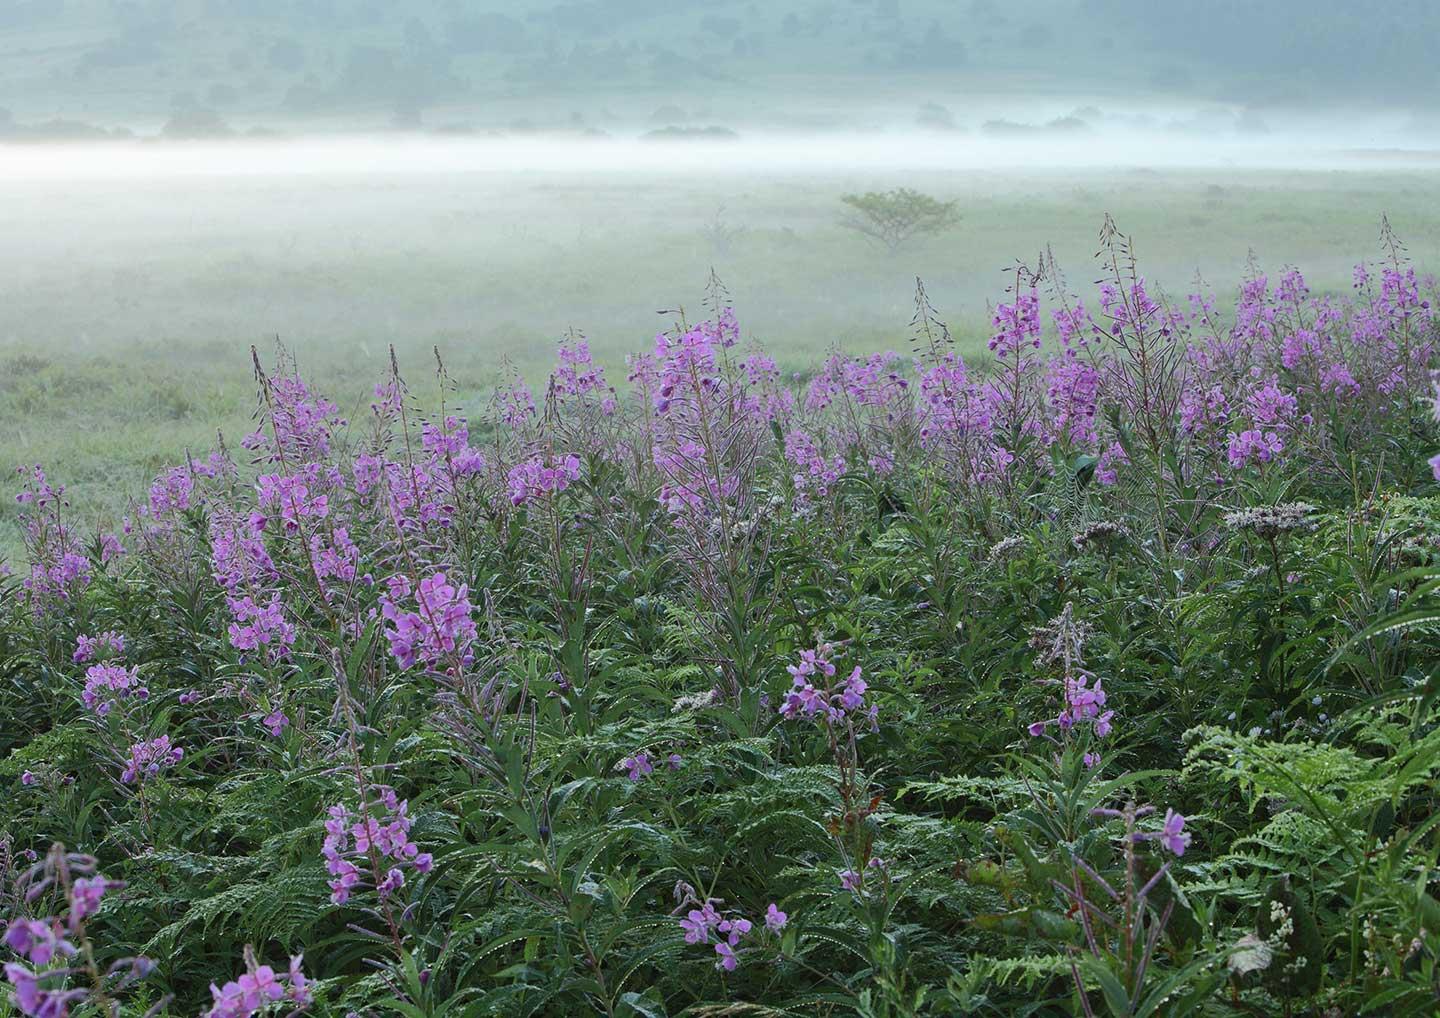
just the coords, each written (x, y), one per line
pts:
(1056, 143)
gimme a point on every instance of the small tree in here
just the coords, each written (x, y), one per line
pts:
(893, 217)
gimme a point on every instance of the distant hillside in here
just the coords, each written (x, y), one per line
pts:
(462, 63)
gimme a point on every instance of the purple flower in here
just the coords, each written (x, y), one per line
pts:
(257, 989)
(734, 929)
(637, 766)
(39, 942)
(260, 624)
(301, 422)
(850, 880)
(85, 895)
(516, 406)
(394, 880)
(276, 722)
(853, 696)
(292, 498)
(539, 477)
(87, 648)
(105, 684)
(775, 920)
(28, 995)
(728, 959)
(442, 629)
(696, 931)
(299, 990)
(1269, 406)
(578, 377)
(698, 923)
(1253, 446)
(349, 839)
(27, 778)
(813, 693)
(1172, 834)
(148, 759)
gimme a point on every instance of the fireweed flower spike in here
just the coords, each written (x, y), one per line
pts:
(350, 839)
(813, 692)
(440, 629)
(729, 932)
(106, 644)
(38, 941)
(1060, 644)
(107, 684)
(259, 988)
(148, 759)
(57, 971)
(541, 477)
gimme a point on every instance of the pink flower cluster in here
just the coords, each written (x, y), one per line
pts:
(1083, 702)
(701, 925)
(105, 684)
(440, 628)
(578, 376)
(356, 843)
(38, 941)
(449, 443)
(57, 970)
(260, 624)
(1252, 447)
(295, 498)
(106, 644)
(258, 988)
(148, 759)
(814, 693)
(691, 486)
(541, 476)
(687, 367)
(640, 765)
(813, 472)
(302, 423)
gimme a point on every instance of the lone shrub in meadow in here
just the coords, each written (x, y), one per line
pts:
(895, 217)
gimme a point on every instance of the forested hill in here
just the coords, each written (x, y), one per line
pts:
(137, 63)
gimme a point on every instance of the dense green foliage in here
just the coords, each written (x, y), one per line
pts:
(595, 747)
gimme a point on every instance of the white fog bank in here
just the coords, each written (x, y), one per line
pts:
(1359, 147)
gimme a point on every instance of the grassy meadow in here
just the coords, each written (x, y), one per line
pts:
(127, 307)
